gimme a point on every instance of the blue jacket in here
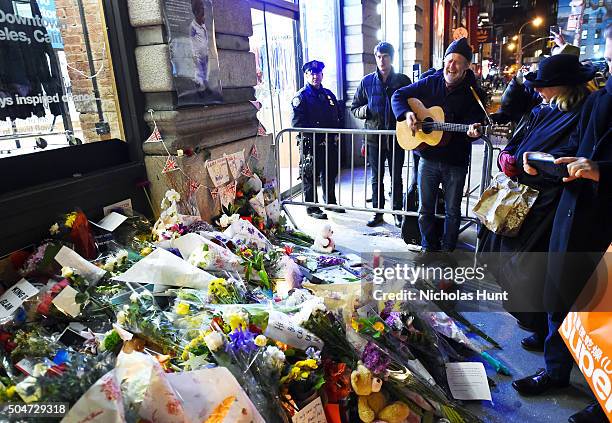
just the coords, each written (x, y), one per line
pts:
(548, 130)
(583, 218)
(459, 106)
(372, 100)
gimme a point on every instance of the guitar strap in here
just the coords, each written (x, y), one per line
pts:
(481, 105)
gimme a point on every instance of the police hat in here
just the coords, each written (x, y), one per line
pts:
(314, 66)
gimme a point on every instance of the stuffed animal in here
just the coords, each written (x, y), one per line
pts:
(372, 404)
(323, 242)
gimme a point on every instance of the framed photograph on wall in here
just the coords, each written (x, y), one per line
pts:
(193, 51)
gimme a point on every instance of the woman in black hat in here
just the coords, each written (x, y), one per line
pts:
(561, 81)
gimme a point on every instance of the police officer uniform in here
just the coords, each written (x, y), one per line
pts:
(317, 108)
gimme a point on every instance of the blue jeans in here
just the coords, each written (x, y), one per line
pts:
(431, 174)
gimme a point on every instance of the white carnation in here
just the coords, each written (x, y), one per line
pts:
(67, 272)
(173, 196)
(214, 341)
(54, 229)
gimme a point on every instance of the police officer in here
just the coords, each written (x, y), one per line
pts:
(317, 107)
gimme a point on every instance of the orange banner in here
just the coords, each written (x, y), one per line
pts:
(588, 335)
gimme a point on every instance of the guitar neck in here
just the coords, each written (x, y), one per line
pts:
(443, 126)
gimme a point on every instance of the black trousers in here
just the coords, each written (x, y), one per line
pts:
(322, 166)
(377, 158)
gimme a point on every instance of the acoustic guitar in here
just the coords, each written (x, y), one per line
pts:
(431, 127)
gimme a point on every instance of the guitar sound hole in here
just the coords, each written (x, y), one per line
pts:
(427, 127)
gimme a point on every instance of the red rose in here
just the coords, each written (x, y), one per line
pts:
(248, 218)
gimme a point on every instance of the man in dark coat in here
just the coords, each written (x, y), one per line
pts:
(447, 164)
(582, 232)
(317, 107)
(372, 102)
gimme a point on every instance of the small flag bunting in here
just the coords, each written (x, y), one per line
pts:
(155, 135)
(170, 165)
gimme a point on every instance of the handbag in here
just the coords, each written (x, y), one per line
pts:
(504, 205)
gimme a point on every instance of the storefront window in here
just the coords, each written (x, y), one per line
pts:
(56, 83)
(390, 24)
(321, 40)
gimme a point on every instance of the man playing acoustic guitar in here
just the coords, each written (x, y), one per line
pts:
(448, 162)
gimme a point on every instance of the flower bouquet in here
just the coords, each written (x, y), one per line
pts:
(142, 316)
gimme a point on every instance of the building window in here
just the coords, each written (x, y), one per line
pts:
(320, 30)
(582, 49)
(585, 34)
(390, 28)
(56, 84)
(585, 19)
(596, 50)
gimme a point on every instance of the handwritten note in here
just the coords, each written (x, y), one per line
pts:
(312, 413)
(281, 328)
(235, 162)
(217, 169)
(15, 296)
(67, 257)
(468, 381)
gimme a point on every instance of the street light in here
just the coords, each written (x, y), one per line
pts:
(511, 46)
(537, 21)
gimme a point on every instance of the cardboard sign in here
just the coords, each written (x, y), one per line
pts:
(217, 169)
(15, 296)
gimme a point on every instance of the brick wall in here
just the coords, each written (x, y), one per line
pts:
(76, 56)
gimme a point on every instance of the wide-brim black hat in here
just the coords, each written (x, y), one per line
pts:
(558, 70)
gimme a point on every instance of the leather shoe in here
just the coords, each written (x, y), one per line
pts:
(376, 220)
(533, 343)
(536, 384)
(398, 220)
(524, 326)
(316, 213)
(591, 414)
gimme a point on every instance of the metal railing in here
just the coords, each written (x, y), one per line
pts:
(349, 136)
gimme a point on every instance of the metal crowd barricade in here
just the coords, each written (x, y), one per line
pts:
(348, 136)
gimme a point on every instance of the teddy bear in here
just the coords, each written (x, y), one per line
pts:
(372, 404)
(324, 243)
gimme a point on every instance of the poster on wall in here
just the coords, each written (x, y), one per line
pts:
(437, 50)
(193, 51)
(31, 83)
(583, 22)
